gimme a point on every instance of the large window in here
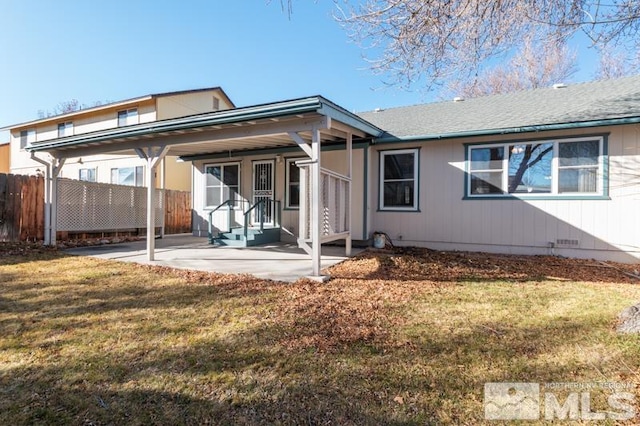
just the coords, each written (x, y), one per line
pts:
(222, 183)
(27, 137)
(132, 176)
(65, 129)
(87, 175)
(293, 183)
(399, 180)
(552, 167)
(127, 117)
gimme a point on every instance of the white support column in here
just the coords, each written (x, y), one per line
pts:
(316, 243)
(347, 243)
(55, 172)
(52, 170)
(153, 155)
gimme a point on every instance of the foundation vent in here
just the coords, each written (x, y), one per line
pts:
(567, 243)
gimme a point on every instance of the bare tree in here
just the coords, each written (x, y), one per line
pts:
(535, 65)
(616, 63)
(433, 41)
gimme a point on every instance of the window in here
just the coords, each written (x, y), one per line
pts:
(293, 183)
(222, 183)
(552, 167)
(65, 129)
(132, 176)
(87, 175)
(399, 180)
(128, 117)
(27, 137)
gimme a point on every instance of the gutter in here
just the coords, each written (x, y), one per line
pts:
(510, 130)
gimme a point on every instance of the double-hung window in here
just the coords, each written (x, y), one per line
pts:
(293, 183)
(127, 117)
(222, 183)
(573, 167)
(27, 137)
(87, 175)
(65, 129)
(131, 176)
(399, 180)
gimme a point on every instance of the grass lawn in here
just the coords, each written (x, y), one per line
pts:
(406, 338)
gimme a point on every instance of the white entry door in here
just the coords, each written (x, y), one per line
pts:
(263, 183)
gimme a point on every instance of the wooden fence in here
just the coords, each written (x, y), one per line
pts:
(22, 210)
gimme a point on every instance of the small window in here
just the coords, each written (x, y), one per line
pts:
(399, 180)
(65, 129)
(293, 183)
(27, 137)
(87, 175)
(128, 117)
(222, 183)
(553, 167)
(131, 176)
(216, 104)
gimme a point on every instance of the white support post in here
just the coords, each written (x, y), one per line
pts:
(347, 243)
(55, 172)
(153, 157)
(52, 170)
(315, 203)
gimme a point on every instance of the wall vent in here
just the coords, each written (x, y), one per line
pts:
(567, 243)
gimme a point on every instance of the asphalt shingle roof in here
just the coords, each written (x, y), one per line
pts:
(583, 102)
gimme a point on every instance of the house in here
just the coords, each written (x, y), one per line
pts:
(114, 168)
(4, 157)
(546, 171)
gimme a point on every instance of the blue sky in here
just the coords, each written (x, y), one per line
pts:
(112, 50)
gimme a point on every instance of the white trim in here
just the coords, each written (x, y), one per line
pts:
(382, 180)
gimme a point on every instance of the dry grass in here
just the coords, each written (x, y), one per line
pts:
(401, 338)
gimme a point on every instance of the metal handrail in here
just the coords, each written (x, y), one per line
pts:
(229, 203)
(261, 215)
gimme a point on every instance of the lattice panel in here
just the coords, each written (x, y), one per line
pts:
(90, 206)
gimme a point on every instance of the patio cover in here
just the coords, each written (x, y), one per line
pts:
(307, 123)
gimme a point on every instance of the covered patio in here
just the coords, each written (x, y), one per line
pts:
(278, 262)
(306, 125)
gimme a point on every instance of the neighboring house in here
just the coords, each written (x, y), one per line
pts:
(5, 154)
(115, 168)
(545, 171)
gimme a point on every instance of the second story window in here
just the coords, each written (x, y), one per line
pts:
(27, 137)
(65, 129)
(128, 117)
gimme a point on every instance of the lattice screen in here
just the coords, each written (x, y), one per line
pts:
(90, 206)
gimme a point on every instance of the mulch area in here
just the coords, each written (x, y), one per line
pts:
(414, 263)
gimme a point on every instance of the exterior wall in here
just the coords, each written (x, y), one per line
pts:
(605, 229)
(5, 154)
(189, 103)
(333, 160)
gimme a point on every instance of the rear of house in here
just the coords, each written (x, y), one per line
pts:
(548, 171)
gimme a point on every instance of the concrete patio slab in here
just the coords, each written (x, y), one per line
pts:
(280, 261)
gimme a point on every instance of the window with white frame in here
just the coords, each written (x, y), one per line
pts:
(537, 168)
(65, 129)
(132, 176)
(127, 117)
(222, 183)
(399, 180)
(27, 137)
(87, 175)
(293, 183)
